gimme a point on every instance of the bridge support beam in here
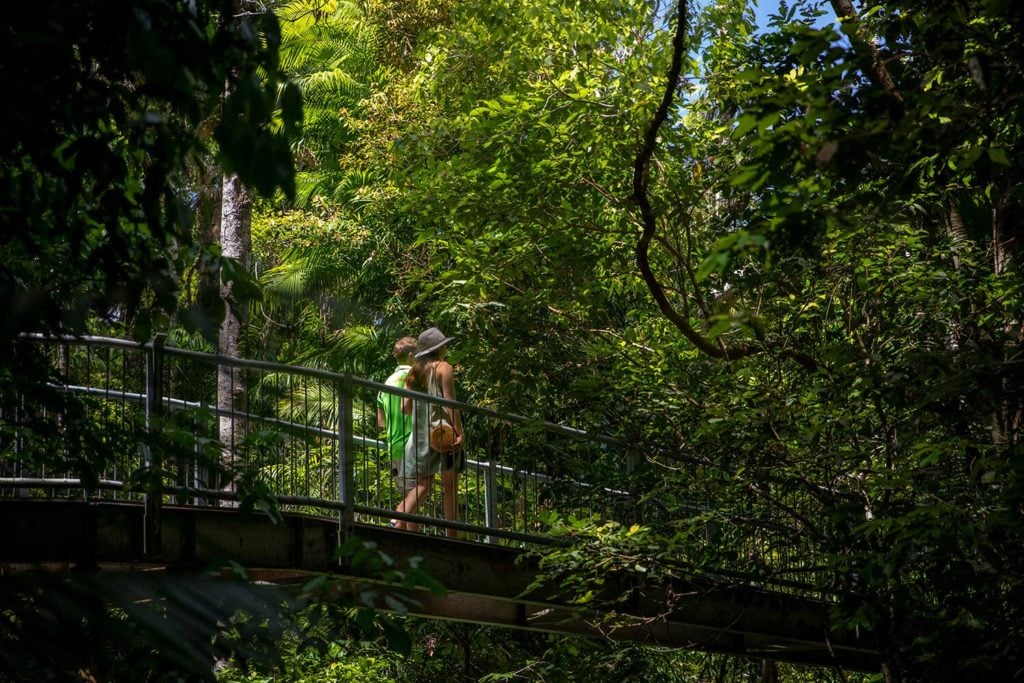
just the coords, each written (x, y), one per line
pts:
(486, 584)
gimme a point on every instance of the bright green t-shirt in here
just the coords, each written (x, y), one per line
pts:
(399, 425)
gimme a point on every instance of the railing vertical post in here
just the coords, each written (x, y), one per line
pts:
(346, 469)
(63, 352)
(151, 538)
(635, 514)
(490, 500)
(198, 479)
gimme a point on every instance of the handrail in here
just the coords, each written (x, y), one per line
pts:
(219, 412)
(101, 341)
(399, 391)
(358, 438)
(344, 436)
(334, 377)
(326, 376)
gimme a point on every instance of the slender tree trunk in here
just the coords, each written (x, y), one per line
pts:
(960, 243)
(1006, 255)
(201, 473)
(467, 646)
(957, 232)
(236, 243)
(1007, 237)
(769, 671)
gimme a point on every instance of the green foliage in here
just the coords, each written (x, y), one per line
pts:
(110, 105)
(215, 626)
(514, 176)
(326, 271)
(325, 284)
(471, 165)
(347, 662)
(329, 51)
(803, 210)
(603, 557)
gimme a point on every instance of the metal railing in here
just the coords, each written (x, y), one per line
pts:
(303, 438)
(146, 425)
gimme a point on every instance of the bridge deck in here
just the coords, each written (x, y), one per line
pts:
(485, 583)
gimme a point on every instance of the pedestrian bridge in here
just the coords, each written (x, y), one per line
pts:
(149, 471)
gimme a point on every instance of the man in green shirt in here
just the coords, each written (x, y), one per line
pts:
(389, 407)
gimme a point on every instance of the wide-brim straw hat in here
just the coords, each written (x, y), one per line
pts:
(431, 340)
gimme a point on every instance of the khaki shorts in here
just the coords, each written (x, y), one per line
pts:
(406, 478)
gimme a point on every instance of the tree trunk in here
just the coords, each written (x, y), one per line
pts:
(769, 671)
(236, 243)
(868, 46)
(957, 232)
(1006, 256)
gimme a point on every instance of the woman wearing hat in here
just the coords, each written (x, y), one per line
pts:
(431, 374)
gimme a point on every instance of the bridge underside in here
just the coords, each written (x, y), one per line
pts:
(485, 584)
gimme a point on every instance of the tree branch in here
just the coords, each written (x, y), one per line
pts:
(640, 181)
(861, 42)
(641, 169)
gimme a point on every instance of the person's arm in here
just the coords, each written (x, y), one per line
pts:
(407, 405)
(447, 377)
(381, 420)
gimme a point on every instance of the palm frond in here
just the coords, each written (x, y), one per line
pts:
(354, 349)
(330, 52)
(288, 280)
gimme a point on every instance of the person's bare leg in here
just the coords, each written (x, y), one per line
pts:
(450, 484)
(411, 503)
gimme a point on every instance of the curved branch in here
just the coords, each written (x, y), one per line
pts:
(640, 180)
(641, 167)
